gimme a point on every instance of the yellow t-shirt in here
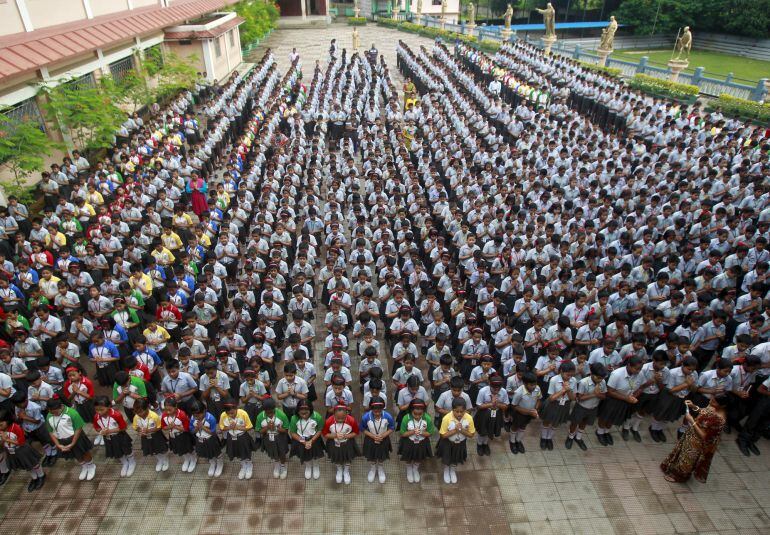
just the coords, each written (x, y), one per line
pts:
(241, 419)
(466, 422)
(150, 423)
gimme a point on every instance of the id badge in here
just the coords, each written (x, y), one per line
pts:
(474, 362)
(271, 436)
(493, 413)
(563, 400)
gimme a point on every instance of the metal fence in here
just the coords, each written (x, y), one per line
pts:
(119, 69)
(26, 111)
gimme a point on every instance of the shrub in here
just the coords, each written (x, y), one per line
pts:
(745, 109)
(356, 21)
(666, 88)
(261, 18)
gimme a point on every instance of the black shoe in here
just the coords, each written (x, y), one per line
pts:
(488, 449)
(581, 444)
(753, 448)
(4, 477)
(45, 461)
(542, 444)
(549, 444)
(624, 433)
(52, 459)
(479, 449)
(32, 485)
(679, 434)
(568, 443)
(653, 434)
(601, 439)
(521, 447)
(636, 435)
(662, 435)
(609, 439)
(728, 429)
(742, 446)
(514, 447)
(40, 482)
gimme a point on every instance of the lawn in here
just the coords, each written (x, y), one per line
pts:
(717, 65)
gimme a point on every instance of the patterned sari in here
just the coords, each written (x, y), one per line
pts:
(692, 454)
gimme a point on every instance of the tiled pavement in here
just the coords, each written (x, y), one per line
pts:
(604, 490)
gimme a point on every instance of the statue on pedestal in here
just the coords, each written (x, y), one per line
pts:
(549, 19)
(608, 35)
(356, 39)
(683, 44)
(471, 14)
(508, 16)
(444, 6)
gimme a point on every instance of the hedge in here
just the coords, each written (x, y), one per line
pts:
(356, 21)
(607, 71)
(744, 109)
(666, 88)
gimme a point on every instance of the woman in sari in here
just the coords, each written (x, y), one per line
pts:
(693, 452)
(197, 188)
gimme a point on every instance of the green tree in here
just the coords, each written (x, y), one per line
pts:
(175, 74)
(746, 17)
(261, 17)
(23, 146)
(88, 113)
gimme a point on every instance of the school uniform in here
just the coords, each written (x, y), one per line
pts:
(543, 363)
(82, 404)
(238, 442)
(341, 451)
(585, 411)
(671, 405)
(372, 451)
(254, 405)
(214, 402)
(454, 450)
(489, 422)
(116, 445)
(179, 442)
(405, 397)
(289, 403)
(274, 443)
(307, 374)
(63, 427)
(414, 448)
(155, 443)
(557, 412)
(444, 402)
(526, 400)
(207, 443)
(21, 456)
(476, 374)
(616, 411)
(648, 399)
(710, 379)
(307, 429)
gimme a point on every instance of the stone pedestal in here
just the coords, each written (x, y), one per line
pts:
(396, 11)
(357, 12)
(418, 18)
(470, 29)
(548, 43)
(677, 66)
(603, 54)
(506, 34)
(443, 22)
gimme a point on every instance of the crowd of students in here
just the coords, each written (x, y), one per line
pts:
(531, 241)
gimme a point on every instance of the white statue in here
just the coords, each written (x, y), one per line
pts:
(356, 39)
(683, 44)
(444, 5)
(419, 7)
(471, 14)
(508, 16)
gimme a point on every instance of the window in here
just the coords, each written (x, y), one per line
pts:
(119, 69)
(25, 111)
(232, 37)
(217, 48)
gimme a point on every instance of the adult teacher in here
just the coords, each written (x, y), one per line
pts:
(693, 452)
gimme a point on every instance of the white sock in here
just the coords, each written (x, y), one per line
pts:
(656, 425)
(635, 422)
(579, 435)
(519, 435)
(4, 465)
(544, 433)
(512, 437)
(38, 470)
(601, 431)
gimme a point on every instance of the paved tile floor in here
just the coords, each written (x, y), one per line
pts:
(604, 490)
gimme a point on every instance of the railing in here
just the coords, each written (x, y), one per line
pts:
(708, 85)
(247, 49)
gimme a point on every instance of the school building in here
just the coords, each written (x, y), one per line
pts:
(48, 41)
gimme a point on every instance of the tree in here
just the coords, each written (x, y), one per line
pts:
(23, 146)
(261, 17)
(89, 113)
(175, 75)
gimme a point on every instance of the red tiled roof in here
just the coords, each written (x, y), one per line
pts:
(27, 51)
(205, 34)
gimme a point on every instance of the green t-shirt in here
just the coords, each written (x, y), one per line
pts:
(64, 425)
(306, 428)
(429, 427)
(281, 420)
(136, 382)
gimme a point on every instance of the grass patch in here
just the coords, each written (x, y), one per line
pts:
(717, 65)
